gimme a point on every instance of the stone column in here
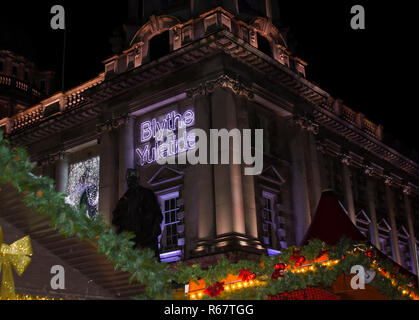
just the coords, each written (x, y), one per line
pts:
(300, 198)
(227, 177)
(316, 183)
(371, 186)
(108, 185)
(126, 152)
(411, 228)
(248, 181)
(61, 172)
(392, 217)
(347, 184)
(203, 176)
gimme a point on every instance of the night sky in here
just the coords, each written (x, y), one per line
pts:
(372, 70)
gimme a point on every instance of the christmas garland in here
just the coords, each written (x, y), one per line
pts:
(40, 195)
(299, 268)
(273, 275)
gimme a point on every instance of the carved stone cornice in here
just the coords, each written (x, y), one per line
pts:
(223, 81)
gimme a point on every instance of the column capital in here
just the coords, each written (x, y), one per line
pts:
(407, 190)
(388, 181)
(369, 171)
(52, 158)
(113, 123)
(346, 159)
(306, 124)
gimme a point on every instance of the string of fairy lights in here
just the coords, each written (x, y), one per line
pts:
(241, 284)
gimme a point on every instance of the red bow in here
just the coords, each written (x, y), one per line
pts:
(246, 275)
(299, 260)
(215, 289)
(279, 271)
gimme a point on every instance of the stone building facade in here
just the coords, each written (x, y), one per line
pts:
(224, 64)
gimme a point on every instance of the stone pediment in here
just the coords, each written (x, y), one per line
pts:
(165, 174)
(363, 217)
(384, 226)
(272, 175)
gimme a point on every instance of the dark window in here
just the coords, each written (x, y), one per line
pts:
(159, 46)
(26, 76)
(252, 6)
(170, 4)
(1, 65)
(14, 70)
(42, 85)
(264, 45)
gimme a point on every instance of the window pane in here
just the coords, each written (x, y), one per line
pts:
(83, 185)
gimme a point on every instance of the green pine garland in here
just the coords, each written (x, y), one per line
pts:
(39, 194)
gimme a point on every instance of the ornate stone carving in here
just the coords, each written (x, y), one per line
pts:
(52, 158)
(388, 180)
(369, 171)
(407, 190)
(112, 124)
(223, 81)
(306, 124)
(346, 159)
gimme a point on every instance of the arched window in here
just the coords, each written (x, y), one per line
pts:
(264, 45)
(159, 45)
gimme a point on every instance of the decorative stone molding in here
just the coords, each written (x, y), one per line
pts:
(223, 81)
(389, 181)
(369, 171)
(346, 159)
(306, 124)
(112, 124)
(51, 159)
(407, 190)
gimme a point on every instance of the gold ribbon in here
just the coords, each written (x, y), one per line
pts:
(16, 255)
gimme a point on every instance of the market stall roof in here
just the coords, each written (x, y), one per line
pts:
(330, 223)
(80, 256)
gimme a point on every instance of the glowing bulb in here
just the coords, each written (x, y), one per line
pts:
(227, 288)
(193, 296)
(245, 284)
(251, 283)
(239, 285)
(200, 294)
(233, 287)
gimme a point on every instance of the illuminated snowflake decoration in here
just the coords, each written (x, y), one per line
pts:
(83, 185)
